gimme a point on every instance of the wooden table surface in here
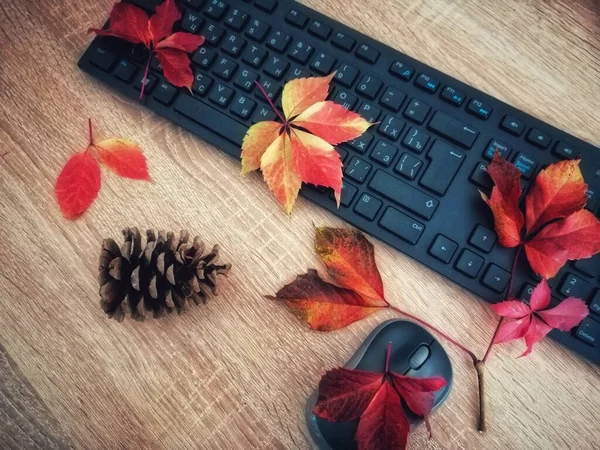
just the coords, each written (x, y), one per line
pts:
(235, 374)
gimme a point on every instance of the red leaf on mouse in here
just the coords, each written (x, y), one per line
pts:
(322, 305)
(132, 24)
(375, 399)
(78, 184)
(532, 322)
(350, 261)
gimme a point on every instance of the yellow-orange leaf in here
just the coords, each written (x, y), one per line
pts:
(301, 93)
(123, 157)
(257, 140)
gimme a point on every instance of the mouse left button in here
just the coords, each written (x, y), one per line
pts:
(419, 356)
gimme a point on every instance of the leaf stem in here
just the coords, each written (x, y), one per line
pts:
(480, 366)
(387, 356)
(437, 330)
(90, 131)
(145, 75)
(263, 92)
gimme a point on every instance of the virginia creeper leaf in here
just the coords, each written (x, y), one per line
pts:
(322, 305)
(568, 314)
(536, 331)
(176, 66)
(127, 22)
(124, 157)
(162, 21)
(306, 156)
(350, 261)
(78, 184)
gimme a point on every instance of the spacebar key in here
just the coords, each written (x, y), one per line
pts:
(210, 118)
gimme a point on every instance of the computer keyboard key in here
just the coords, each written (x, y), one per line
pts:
(210, 118)
(225, 68)
(149, 82)
(264, 113)
(368, 206)
(361, 143)
(346, 75)
(202, 84)
(319, 29)
(213, 33)
(588, 266)
(408, 166)
(204, 57)
(345, 99)
(296, 18)
(221, 94)
(357, 169)
(496, 278)
(526, 292)
(266, 5)
(236, 19)
(574, 286)
(369, 112)
(246, 80)
(257, 30)
(469, 263)
(383, 153)
(595, 303)
(243, 107)
(445, 162)
(125, 70)
(271, 88)
(453, 96)
(404, 194)
(593, 195)
(482, 238)
(401, 225)
(196, 4)
(155, 64)
(300, 52)
(192, 22)
(538, 138)
(427, 83)
(392, 99)
(479, 109)
(391, 127)
(367, 53)
(348, 193)
(323, 63)
(589, 331)
(369, 86)
(233, 45)
(443, 248)
(165, 93)
(453, 129)
(276, 67)
(416, 139)
(417, 111)
(512, 125)
(401, 70)
(526, 164)
(496, 146)
(103, 59)
(481, 178)
(278, 41)
(296, 72)
(215, 9)
(254, 56)
(343, 41)
(565, 151)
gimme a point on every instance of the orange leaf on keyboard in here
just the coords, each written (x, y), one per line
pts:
(350, 261)
(79, 181)
(132, 24)
(294, 152)
(124, 157)
(532, 322)
(322, 305)
(375, 399)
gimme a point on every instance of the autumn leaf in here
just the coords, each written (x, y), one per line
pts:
(533, 322)
(300, 148)
(322, 305)
(79, 181)
(375, 399)
(557, 229)
(132, 24)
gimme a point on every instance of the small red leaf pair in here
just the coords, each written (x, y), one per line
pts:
(131, 23)
(375, 399)
(79, 181)
(356, 289)
(532, 322)
(557, 228)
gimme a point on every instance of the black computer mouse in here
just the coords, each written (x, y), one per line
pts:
(415, 352)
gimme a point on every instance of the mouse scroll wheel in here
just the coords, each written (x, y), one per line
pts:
(419, 356)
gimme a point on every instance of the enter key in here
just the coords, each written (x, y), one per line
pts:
(445, 162)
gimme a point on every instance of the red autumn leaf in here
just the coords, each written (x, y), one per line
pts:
(557, 228)
(532, 322)
(131, 23)
(375, 398)
(322, 305)
(350, 261)
(78, 184)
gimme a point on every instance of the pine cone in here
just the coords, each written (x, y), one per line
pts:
(159, 278)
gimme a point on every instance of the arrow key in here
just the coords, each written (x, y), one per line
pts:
(495, 278)
(443, 248)
(469, 263)
(482, 238)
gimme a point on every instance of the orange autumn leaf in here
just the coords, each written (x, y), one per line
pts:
(124, 157)
(350, 261)
(322, 305)
(557, 228)
(300, 148)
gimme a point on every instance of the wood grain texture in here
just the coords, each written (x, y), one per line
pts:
(235, 374)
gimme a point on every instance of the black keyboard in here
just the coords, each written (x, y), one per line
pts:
(412, 180)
